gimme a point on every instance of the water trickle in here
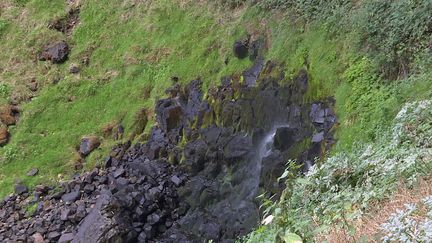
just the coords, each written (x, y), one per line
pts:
(266, 146)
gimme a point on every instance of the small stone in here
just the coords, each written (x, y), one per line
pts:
(176, 180)
(71, 197)
(66, 238)
(20, 189)
(318, 137)
(119, 172)
(74, 69)
(53, 235)
(88, 144)
(37, 238)
(64, 214)
(33, 172)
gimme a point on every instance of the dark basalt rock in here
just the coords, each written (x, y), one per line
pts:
(241, 48)
(71, 197)
(285, 137)
(56, 53)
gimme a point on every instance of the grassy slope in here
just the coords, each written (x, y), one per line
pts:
(132, 49)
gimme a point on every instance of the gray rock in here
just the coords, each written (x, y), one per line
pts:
(66, 238)
(33, 172)
(20, 189)
(71, 197)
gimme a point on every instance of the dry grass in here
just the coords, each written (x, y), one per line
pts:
(368, 228)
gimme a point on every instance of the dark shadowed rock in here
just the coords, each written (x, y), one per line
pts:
(56, 53)
(241, 48)
(239, 146)
(88, 144)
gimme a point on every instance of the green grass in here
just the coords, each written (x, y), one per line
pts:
(131, 49)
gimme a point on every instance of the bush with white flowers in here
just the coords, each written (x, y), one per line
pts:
(404, 226)
(339, 189)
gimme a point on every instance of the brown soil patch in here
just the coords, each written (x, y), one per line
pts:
(369, 227)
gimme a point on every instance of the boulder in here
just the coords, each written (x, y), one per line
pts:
(241, 48)
(71, 196)
(88, 144)
(169, 114)
(20, 189)
(56, 53)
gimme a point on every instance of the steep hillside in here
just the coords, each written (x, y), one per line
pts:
(116, 59)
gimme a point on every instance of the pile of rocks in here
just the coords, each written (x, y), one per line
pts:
(125, 201)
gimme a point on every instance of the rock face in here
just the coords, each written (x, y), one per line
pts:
(56, 53)
(198, 175)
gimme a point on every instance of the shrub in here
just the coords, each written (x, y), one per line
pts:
(405, 226)
(338, 190)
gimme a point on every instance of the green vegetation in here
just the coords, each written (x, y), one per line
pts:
(133, 52)
(372, 56)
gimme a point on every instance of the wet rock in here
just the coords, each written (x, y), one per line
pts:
(177, 181)
(33, 172)
(88, 144)
(56, 53)
(238, 146)
(170, 114)
(20, 189)
(285, 137)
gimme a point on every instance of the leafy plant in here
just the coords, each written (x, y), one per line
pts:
(404, 226)
(336, 191)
